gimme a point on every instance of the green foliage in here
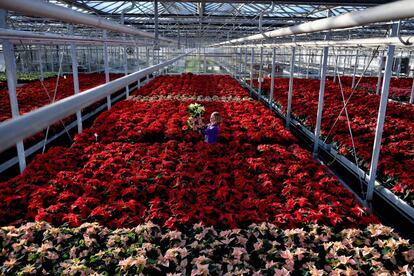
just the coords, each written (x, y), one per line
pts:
(27, 77)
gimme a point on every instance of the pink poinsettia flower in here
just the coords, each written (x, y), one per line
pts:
(200, 270)
(132, 262)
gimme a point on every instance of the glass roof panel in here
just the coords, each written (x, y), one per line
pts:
(112, 5)
(218, 19)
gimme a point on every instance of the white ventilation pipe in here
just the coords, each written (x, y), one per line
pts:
(363, 42)
(392, 11)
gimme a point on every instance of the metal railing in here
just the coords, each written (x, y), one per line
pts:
(30, 123)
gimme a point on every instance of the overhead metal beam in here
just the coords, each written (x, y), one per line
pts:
(206, 23)
(29, 37)
(298, 2)
(179, 23)
(214, 16)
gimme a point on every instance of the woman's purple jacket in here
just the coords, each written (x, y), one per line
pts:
(211, 133)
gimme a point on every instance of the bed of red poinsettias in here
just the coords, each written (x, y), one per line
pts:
(400, 88)
(138, 165)
(165, 120)
(33, 95)
(190, 84)
(397, 155)
(134, 165)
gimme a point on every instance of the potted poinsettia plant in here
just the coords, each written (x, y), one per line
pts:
(195, 118)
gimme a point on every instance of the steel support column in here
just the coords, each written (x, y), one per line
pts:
(53, 60)
(106, 65)
(199, 60)
(233, 66)
(156, 50)
(205, 61)
(399, 65)
(22, 66)
(75, 78)
(365, 61)
(308, 64)
(10, 64)
(355, 68)
(350, 60)
(251, 69)
(261, 71)
(125, 56)
(46, 59)
(137, 57)
(126, 68)
(241, 63)
(381, 117)
(381, 65)
(272, 78)
(292, 72)
(245, 64)
(89, 59)
(320, 101)
(320, 65)
(153, 55)
(147, 52)
(39, 57)
(344, 65)
(335, 69)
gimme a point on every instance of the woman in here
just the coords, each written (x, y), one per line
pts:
(212, 130)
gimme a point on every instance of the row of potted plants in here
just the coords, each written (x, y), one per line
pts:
(259, 249)
(397, 155)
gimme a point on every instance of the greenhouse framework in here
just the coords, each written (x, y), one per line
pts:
(206, 137)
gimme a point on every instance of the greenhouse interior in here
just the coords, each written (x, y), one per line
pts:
(206, 137)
